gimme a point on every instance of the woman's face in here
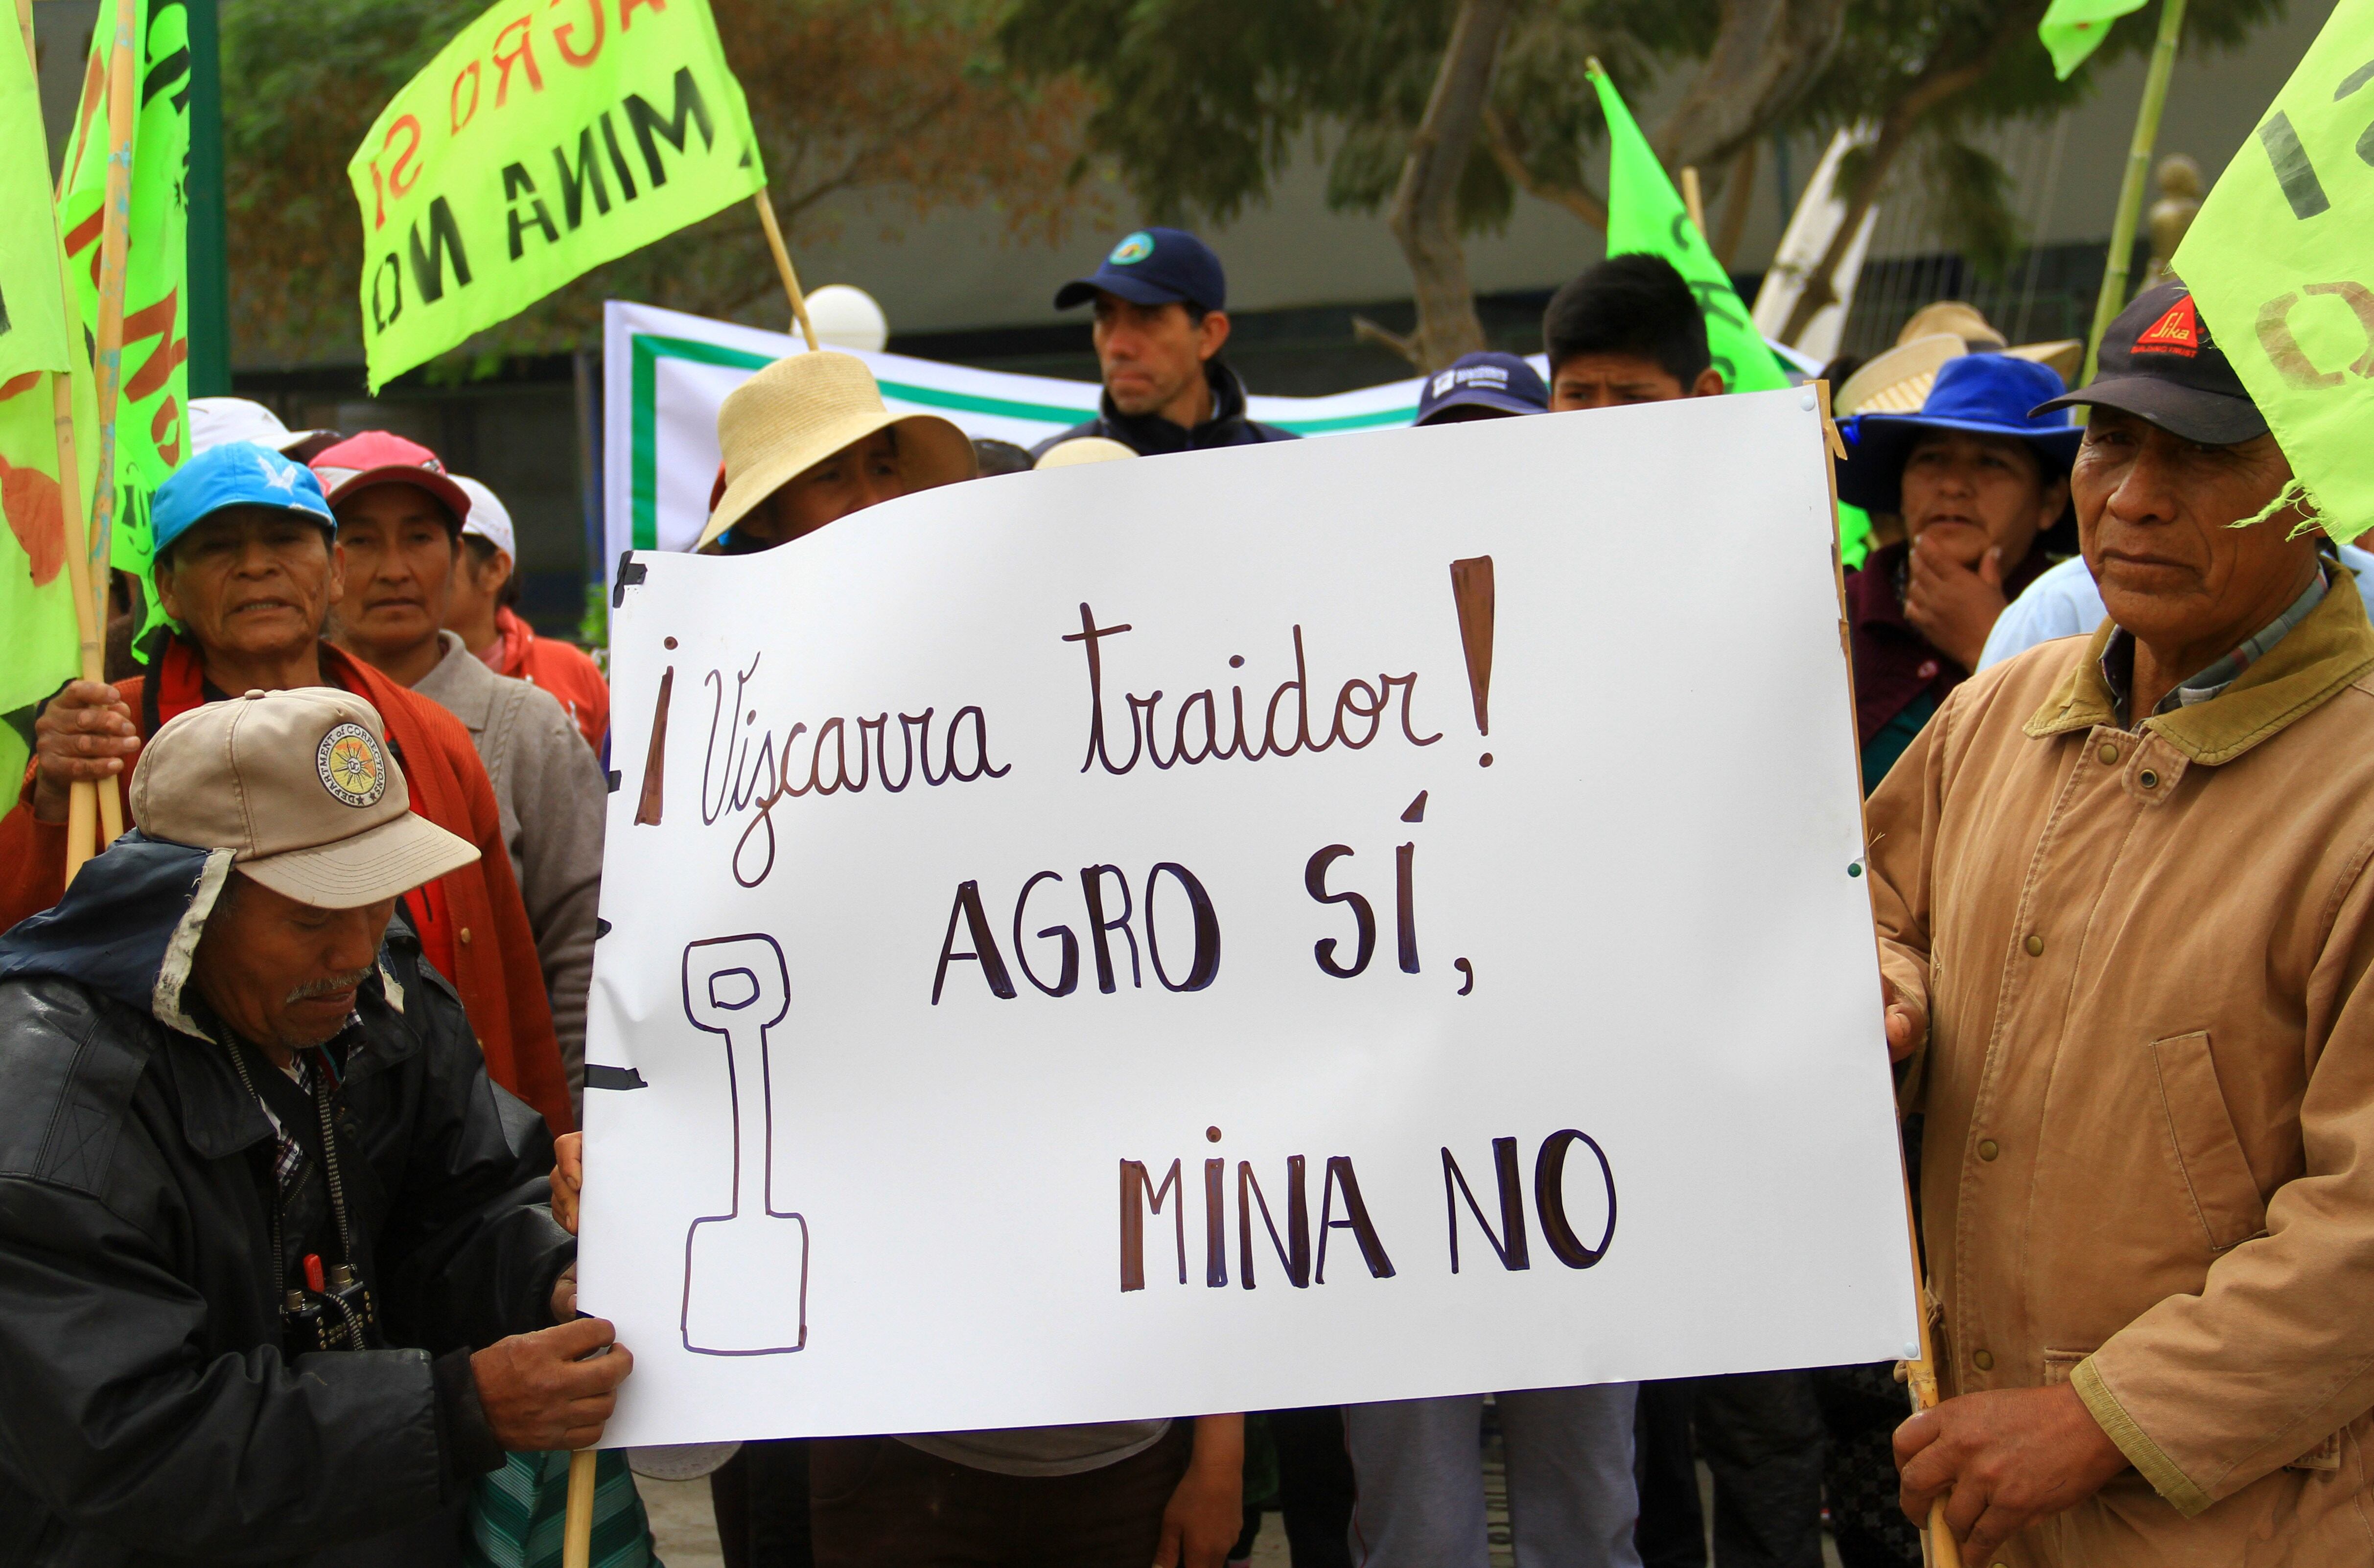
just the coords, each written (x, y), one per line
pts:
(1979, 491)
(859, 476)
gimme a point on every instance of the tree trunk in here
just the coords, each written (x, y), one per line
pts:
(1766, 54)
(1424, 217)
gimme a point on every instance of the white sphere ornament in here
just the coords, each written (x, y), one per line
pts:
(847, 317)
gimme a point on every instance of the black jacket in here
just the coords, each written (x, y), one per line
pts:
(148, 1412)
(1150, 435)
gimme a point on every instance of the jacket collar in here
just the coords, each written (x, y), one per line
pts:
(2324, 653)
(1153, 433)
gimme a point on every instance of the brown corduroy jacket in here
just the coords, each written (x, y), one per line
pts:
(2148, 1077)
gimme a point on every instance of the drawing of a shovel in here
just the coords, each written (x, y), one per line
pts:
(746, 1272)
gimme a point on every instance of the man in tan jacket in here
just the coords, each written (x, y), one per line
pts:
(2124, 915)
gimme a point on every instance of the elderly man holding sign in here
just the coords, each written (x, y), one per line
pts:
(288, 1287)
(2124, 920)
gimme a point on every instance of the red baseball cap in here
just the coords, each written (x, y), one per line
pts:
(382, 457)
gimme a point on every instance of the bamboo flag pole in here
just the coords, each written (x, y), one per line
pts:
(83, 816)
(783, 266)
(1691, 198)
(115, 223)
(2130, 187)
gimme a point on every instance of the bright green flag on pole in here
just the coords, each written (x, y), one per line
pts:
(39, 646)
(2073, 29)
(2281, 265)
(544, 140)
(153, 396)
(1645, 213)
(32, 317)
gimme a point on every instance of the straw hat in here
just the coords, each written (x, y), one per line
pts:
(1965, 322)
(1898, 381)
(1084, 449)
(802, 408)
(2065, 355)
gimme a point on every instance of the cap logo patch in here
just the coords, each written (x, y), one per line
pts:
(352, 770)
(2177, 331)
(1135, 247)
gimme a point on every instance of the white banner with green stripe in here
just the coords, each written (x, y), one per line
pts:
(665, 372)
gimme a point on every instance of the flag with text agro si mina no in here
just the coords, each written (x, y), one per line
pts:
(549, 137)
(153, 396)
(2073, 29)
(1645, 213)
(38, 639)
(2281, 262)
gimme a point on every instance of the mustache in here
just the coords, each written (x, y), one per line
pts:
(327, 985)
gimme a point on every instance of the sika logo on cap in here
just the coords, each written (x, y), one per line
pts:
(2177, 331)
(1135, 247)
(352, 770)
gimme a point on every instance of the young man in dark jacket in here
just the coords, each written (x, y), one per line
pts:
(277, 1281)
(1162, 320)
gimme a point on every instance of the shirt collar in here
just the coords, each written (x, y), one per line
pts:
(2119, 658)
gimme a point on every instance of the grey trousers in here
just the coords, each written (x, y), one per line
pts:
(1572, 1500)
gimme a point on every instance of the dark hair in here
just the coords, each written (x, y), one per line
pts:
(482, 550)
(994, 457)
(1630, 304)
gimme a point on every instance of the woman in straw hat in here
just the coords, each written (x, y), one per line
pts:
(807, 441)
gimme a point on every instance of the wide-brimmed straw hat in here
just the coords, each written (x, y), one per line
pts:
(1084, 449)
(802, 408)
(1898, 381)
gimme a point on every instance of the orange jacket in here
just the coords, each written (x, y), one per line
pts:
(495, 964)
(566, 670)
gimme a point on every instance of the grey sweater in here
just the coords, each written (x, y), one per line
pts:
(550, 790)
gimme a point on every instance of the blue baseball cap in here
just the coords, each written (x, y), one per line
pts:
(1988, 394)
(1502, 383)
(1153, 266)
(237, 474)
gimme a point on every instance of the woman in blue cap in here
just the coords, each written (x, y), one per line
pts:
(1983, 489)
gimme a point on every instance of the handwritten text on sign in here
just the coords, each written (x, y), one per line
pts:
(1224, 930)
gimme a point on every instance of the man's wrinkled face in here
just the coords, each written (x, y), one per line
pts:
(256, 582)
(861, 475)
(1151, 353)
(2154, 519)
(1614, 381)
(1972, 492)
(281, 974)
(400, 549)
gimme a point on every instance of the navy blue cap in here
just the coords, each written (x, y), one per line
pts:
(1153, 266)
(1502, 383)
(237, 474)
(1989, 394)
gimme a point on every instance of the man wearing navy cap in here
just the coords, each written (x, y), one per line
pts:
(1161, 320)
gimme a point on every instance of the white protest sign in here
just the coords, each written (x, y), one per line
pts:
(1299, 924)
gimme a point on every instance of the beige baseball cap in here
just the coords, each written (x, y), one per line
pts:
(299, 787)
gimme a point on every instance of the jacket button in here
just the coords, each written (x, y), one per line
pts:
(1983, 1360)
(1989, 1149)
(464, 935)
(2035, 946)
(2147, 778)
(2109, 754)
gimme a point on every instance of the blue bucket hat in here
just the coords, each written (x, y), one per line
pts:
(237, 474)
(1153, 266)
(1502, 383)
(1987, 394)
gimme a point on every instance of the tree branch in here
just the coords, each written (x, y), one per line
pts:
(1424, 215)
(1766, 54)
(1580, 200)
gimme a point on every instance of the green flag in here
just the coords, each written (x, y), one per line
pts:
(2073, 29)
(39, 644)
(153, 394)
(32, 313)
(1645, 213)
(549, 137)
(2281, 264)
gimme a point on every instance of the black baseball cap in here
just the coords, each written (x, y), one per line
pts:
(1153, 266)
(2159, 363)
(1503, 384)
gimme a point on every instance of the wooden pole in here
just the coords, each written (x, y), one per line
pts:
(577, 1524)
(2113, 297)
(123, 70)
(82, 799)
(783, 266)
(1692, 200)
